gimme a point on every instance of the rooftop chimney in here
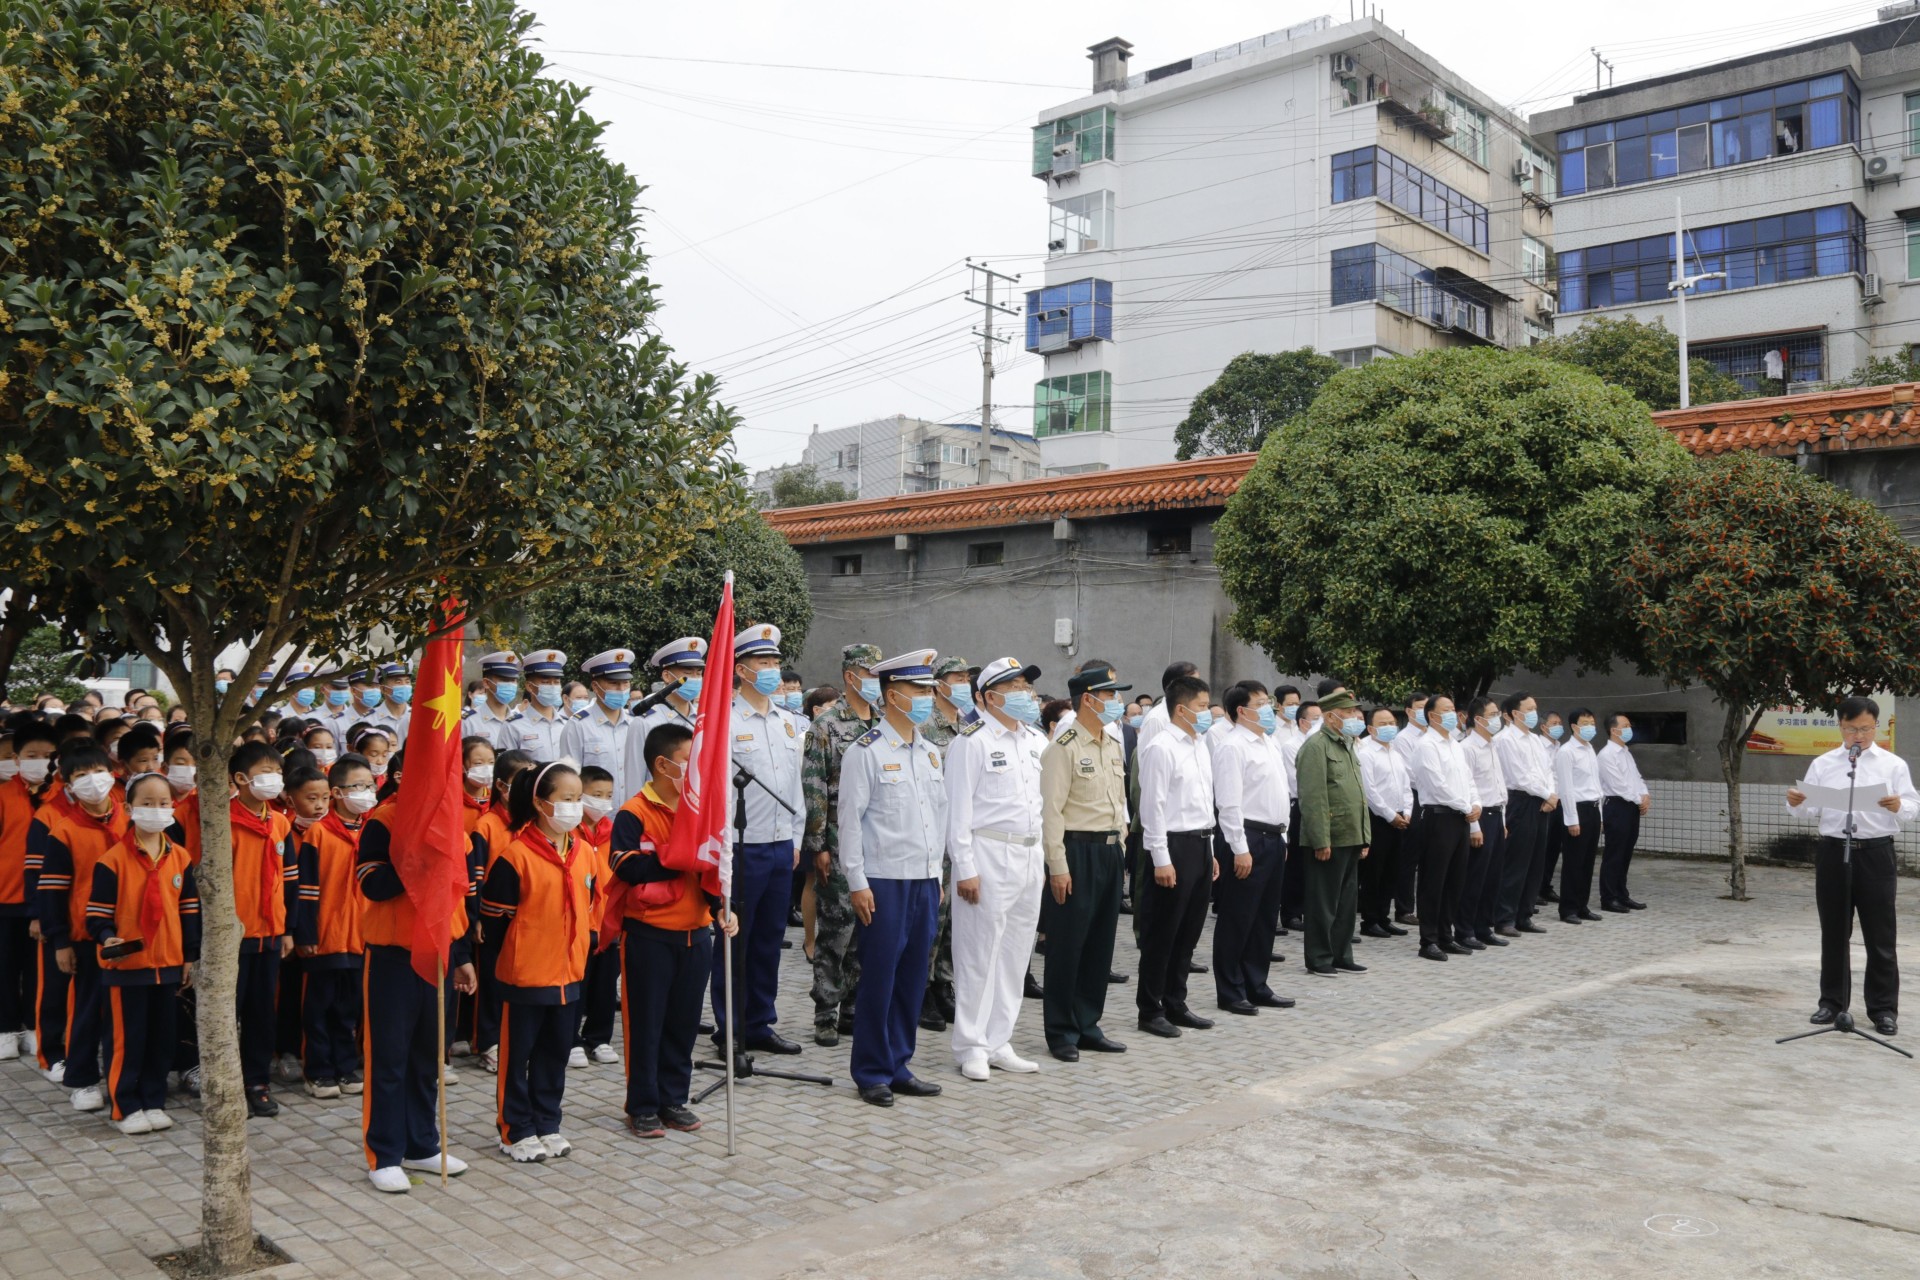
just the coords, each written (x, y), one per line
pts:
(1109, 59)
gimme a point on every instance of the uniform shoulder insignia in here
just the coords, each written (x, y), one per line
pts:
(868, 738)
(967, 730)
(1069, 736)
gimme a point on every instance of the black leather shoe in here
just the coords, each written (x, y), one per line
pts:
(1634, 906)
(1272, 1001)
(1406, 917)
(1528, 926)
(1586, 914)
(1428, 951)
(1242, 1007)
(772, 1042)
(1886, 1024)
(1619, 908)
(1115, 977)
(1569, 919)
(1371, 930)
(1505, 931)
(1274, 957)
(1031, 987)
(1490, 940)
(1323, 973)
(1395, 930)
(707, 1028)
(877, 1094)
(794, 919)
(1159, 1026)
(1194, 966)
(1455, 949)
(1824, 1015)
(1188, 1018)
(1470, 942)
(1348, 966)
(1100, 1044)
(1548, 895)
(930, 1020)
(1298, 922)
(915, 1087)
(1065, 1052)
(1281, 932)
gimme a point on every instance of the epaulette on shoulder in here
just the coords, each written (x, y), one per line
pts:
(968, 730)
(1068, 736)
(868, 738)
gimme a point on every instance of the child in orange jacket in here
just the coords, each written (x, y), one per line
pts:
(326, 933)
(76, 836)
(601, 991)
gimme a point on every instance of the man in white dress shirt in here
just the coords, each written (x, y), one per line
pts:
(1576, 776)
(1449, 810)
(1156, 722)
(1176, 818)
(1389, 788)
(1624, 802)
(1863, 884)
(1526, 762)
(1251, 793)
(1413, 730)
(1486, 858)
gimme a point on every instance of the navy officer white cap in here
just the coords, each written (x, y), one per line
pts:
(1006, 669)
(915, 665)
(687, 651)
(614, 664)
(501, 664)
(762, 638)
(546, 662)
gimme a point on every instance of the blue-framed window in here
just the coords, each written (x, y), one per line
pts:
(1068, 314)
(1375, 171)
(1792, 246)
(1805, 115)
(1375, 273)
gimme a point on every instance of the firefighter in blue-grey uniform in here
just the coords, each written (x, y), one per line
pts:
(543, 710)
(600, 736)
(497, 718)
(682, 664)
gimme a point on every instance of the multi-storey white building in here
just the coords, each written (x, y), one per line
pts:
(1326, 186)
(891, 456)
(1791, 169)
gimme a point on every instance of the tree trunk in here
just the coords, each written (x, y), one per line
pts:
(1737, 728)
(226, 1208)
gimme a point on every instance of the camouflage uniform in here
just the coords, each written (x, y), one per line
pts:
(936, 1009)
(836, 966)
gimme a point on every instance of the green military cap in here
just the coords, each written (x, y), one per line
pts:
(951, 666)
(1338, 700)
(860, 654)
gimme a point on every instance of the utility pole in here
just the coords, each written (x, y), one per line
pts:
(1599, 62)
(987, 339)
(1682, 282)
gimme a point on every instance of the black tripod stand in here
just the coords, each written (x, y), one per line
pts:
(1842, 1020)
(743, 1067)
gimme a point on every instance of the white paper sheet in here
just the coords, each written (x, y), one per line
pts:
(1865, 796)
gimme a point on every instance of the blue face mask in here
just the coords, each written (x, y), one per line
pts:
(1133, 722)
(1386, 733)
(870, 691)
(766, 681)
(793, 701)
(506, 691)
(1353, 726)
(1420, 717)
(615, 698)
(221, 686)
(1202, 721)
(1531, 719)
(1626, 736)
(1556, 731)
(1586, 733)
(1268, 721)
(369, 698)
(690, 688)
(548, 695)
(1291, 712)
(336, 698)
(1110, 710)
(1449, 720)
(581, 704)
(1494, 726)
(920, 709)
(303, 698)
(402, 694)
(1023, 706)
(961, 697)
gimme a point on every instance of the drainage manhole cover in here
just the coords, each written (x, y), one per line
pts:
(1679, 1224)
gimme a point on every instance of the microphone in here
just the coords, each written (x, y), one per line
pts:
(1854, 749)
(652, 700)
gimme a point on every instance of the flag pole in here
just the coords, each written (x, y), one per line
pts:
(440, 1048)
(726, 959)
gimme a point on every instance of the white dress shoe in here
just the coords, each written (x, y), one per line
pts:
(135, 1122)
(556, 1145)
(158, 1120)
(9, 1045)
(974, 1066)
(393, 1180)
(578, 1058)
(431, 1164)
(604, 1055)
(1005, 1059)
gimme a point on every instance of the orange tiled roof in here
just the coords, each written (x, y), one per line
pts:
(1199, 483)
(1826, 422)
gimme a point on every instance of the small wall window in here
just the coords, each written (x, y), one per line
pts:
(846, 566)
(979, 553)
(1170, 541)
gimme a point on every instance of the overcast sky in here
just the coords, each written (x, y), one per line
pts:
(809, 228)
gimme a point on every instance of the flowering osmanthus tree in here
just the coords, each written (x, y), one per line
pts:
(312, 313)
(1770, 586)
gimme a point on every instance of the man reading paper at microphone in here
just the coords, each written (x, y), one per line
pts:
(1883, 797)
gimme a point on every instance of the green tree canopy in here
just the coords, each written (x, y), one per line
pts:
(1252, 396)
(314, 313)
(769, 585)
(1643, 359)
(1882, 371)
(1441, 519)
(1770, 587)
(45, 664)
(800, 485)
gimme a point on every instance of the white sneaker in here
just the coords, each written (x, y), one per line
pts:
(56, 1073)
(90, 1099)
(1006, 1059)
(135, 1123)
(323, 1088)
(288, 1070)
(556, 1145)
(29, 1042)
(974, 1066)
(447, 1075)
(604, 1055)
(9, 1045)
(158, 1120)
(455, 1165)
(578, 1058)
(490, 1062)
(525, 1151)
(460, 1049)
(393, 1180)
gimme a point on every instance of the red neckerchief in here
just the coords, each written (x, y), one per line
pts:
(151, 906)
(598, 832)
(112, 818)
(482, 804)
(244, 819)
(535, 839)
(338, 825)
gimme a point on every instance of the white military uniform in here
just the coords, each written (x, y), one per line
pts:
(485, 720)
(686, 652)
(600, 736)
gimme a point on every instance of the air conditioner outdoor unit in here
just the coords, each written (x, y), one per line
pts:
(1344, 63)
(1087, 242)
(1522, 170)
(1059, 340)
(1547, 308)
(1879, 166)
(1066, 163)
(1870, 285)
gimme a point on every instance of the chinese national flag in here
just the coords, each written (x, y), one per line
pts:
(429, 833)
(700, 839)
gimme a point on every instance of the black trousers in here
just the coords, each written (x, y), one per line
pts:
(486, 1001)
(330, 1020)
(1480, 891)
(599, 994)
(1080, 933)
(663, 984)
(1576, 873)
(535, 1040)
(139, 1044)
(50, 1009)
(86, 1018)
(1443, 866)
(1249, 912)
(1293, 878)
(257, 989)
(1556, 844)
(1526, 858)
(1406, 884)
(288, 1024)
(398, 1110)
(18, 975)
(1868, 893)
(1173, 919)
(1380, 871)
(1620, 822)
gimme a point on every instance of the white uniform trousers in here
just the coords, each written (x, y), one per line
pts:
(992, 940)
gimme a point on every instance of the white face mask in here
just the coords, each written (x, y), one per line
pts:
(598, 807)
(567, 814)
(267, 786)
(325, 757)
(152, 818)
(182, 777)
(301, 821)
(92, 788)
(9, 770)
(359, 801)
(36, 771)
(481, 775)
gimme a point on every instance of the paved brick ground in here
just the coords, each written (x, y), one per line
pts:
(79, 1199)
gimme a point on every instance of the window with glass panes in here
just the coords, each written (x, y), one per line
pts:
(1090, 134)
(1786, 119)
(1375, 273)
(1469, 124)
(1533, 260)
(1080, 224)
(1375, 171)
(1540, 182)
(1913, 248)
(1073, 403)
(1081, 310)
(1793, 246)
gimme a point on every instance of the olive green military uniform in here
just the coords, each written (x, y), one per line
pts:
(1083, 822)
(836, 965)
(1333, 815)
